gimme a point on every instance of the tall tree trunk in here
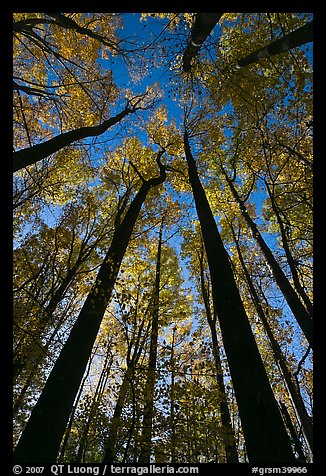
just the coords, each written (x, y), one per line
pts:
(135, 421)
(40, 440)
(203, 25)
(228, 436)
(267, 441)
(299, 311)
(109, 453)
(65, 440)
(101, 384)
(32, 155)
(293, 433)
(146, 437)
(172, 402)
(115, 422)
(36, 364)
(294, 392)
(298, 37)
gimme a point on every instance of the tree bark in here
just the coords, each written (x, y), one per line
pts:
(228, 435)
(299, 311)
(65, 440)
(267, 441)
(293, 433)
(101, 384)
(40, 440)
(298, 37)
(204, 24)
(299, 406)
(172, 402)
(110, 452)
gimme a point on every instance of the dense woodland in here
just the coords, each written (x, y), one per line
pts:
(162, 237)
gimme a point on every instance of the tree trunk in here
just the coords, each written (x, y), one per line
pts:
(298, 155)
(299, 311)
(204, 24)
(58, 295)
(298, 37)
(267, 441)
(115, 422)
(40, 440)
(101, 384)
(172, 403)
(293, 433)
(291, 262)
(228, 435)
(31, 155)
(146, 437)
(294, 392)
(65, 440)
(109, 453)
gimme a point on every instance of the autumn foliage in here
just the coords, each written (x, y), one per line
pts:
(162, 239)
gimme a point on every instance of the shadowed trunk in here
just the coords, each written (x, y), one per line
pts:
(110, 445)
(299, 311)
(100, 387)
(293, 433)
(294, 392)
(204, 24)
(291, 261)
(267, 441)
(228, 435)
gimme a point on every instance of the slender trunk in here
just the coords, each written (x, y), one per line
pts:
(296, 281)
(298, 37)
(63, 446)
(172, 403)
(146, 437)
(127, 382)
(29, 380)
(228, 436)
(21, 360)
(298, 155)
(40, 440)
(266, 438)
(109, 454)
(57, 295)
(101, 384)
(115, 422)
(298, 309)
(31, 155)
(293, 433)
(134, 421)
(299, 406)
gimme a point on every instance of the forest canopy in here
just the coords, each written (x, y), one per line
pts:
(163, 263)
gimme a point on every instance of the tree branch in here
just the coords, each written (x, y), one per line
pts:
(298, 37)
